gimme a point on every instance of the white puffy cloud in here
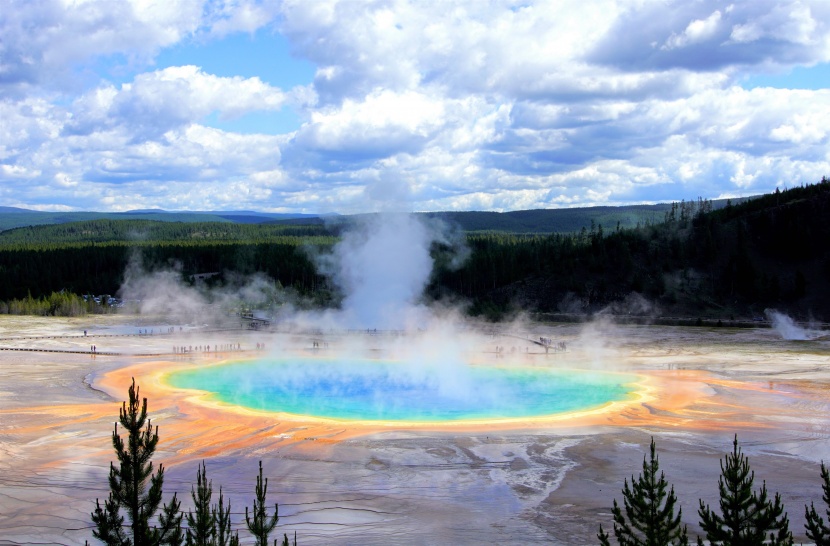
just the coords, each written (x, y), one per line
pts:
(189, 166)
(708, 36)
(697, 31)
(793, 22)
(229, 16)
(158, 101)
(44, 40)
(505, 104)
(383, 123)
(461, 46)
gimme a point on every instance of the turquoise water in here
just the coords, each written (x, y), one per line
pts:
(392, 391)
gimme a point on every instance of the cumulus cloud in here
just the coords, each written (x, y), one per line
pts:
(461, 47)
(156, 102)
(698, 30)
(382, 124)
(788, 22)
(45, 40)
(706, 36)
(461, 105)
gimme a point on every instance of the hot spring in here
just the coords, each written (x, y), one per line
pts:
(385, 390)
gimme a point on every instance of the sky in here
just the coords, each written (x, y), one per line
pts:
(347, 106)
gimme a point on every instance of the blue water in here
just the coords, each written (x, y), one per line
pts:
(392, 391)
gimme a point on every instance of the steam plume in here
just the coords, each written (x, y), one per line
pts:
(382, 266)
(787, 327)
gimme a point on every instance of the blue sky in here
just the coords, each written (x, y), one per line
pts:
(352, 106)
(798, 77)
(264, 54)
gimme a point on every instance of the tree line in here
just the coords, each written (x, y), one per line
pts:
(739, 259)
(140, 232)
(699, 261)
(100, 268)
(62, 304)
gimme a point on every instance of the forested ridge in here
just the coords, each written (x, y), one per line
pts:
(545, 221)
(770, 251)
(698, 261)
(13, 217)
(100, 268)
(91, 257)
(520, 221)
(138, 232)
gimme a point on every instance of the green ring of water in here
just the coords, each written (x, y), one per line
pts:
(370, 390)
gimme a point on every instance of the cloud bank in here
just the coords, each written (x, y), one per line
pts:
(499, 105)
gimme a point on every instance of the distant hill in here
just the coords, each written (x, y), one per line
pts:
(13, 217)
(537, 221)
(556, 220)
(251, 217)
(25, 218)
(142, 232)
(569, 220)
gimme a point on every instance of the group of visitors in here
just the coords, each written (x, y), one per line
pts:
(183, 349)
(151, 331)
(548, 343)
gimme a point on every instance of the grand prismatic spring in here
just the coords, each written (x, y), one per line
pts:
(369, 390)
(344, 476)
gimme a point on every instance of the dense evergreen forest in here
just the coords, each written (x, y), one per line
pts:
(91, 257)
(546, 221)
(698, 261)
(771, 251)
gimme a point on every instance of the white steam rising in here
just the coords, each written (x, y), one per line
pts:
(382, 266)
(634, 304)
(163, 293)
(787, 327)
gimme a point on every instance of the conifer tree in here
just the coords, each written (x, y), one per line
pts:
(817, 530)
(259, 523)
(209, 525)
(202, 521)
(222, 513)
(129, 493)
(649, 518)
(746, 516)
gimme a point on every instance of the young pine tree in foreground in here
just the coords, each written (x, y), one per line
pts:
(201, 522)
(129, 494)
(209, 525)
(649, 518)
(746, 516)
(259, 524)
(224, 536)
(817, 530)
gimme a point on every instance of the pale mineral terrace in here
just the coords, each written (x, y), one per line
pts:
(535, 481)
